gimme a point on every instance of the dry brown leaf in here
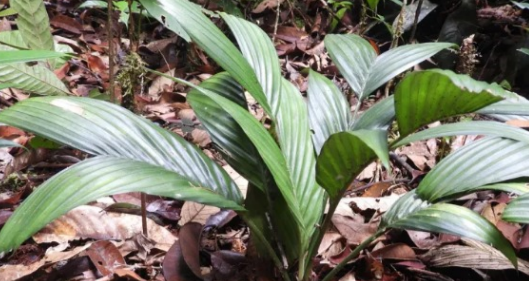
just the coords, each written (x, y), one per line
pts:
(266, 4)
(353, 228)
(475, 255)
(14, 272)
(93, 222)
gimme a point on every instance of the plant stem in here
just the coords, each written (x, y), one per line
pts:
(316, 242)
(353, 254)
(415, 21)
(259, 235)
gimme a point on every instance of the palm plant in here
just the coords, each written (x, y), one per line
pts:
(313, 152)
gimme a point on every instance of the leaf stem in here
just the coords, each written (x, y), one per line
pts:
(353, 254)
(259, 235)
(316, 242)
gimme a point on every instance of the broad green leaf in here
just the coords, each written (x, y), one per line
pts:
(236, 147)
(265, 144)
(410, 212)
(509, 187)
(260, 53)
(329, 111)
(507, 107)
(487, 161)
(208, 36)
(378, 116)
(36, 78)
(8, 143)
(427, 96)
(364, 71)
(345, 155)
(296, 145)
(103, 128)
(289, 112)
(33, 24)
(158, 12)
(517, 210)
(99, 177)
(488, 128)
(27, 56)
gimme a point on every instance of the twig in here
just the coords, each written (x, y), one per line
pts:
(416, 21)
(406, 166)
(144, 214)
(277, 20)
(111, 55)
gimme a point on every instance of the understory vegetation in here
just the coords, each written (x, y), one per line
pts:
(301, 147)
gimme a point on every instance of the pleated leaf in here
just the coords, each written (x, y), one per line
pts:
(427, 96)
(33, 24)
(345, 155)
(507, 107)
(103, 128)
(169, 22)
(37, 78)
(264, 143)
(237, 148)
(488, 128)
(487, 161)
(378, 116)
(329, 111)
(290, 116)
(517, 210)
(411, 212)
(364, 71)
(99, 177)
(208, 36)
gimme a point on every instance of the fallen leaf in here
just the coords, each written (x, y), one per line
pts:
(92, 222)
(105, 256)
(353, 228)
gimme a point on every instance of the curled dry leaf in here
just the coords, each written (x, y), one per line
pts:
(105, 256)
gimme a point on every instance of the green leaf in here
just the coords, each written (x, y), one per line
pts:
(99, 177)
(378, 116)
(427, 96)
(489, 160)
(27, 56)
(8, 143)
(36, 78)
(345, 155)
(8, 12)
(103, 128)
(289, 112)
(372, 4)
(329, 111)
(524, 50)
(410, 212)
(298, 150)
(364, 71)
(517, 210)
(236, 147)
(507, 107)
(33, 24)
(488, 128)
(208, 36)
(260, 53)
